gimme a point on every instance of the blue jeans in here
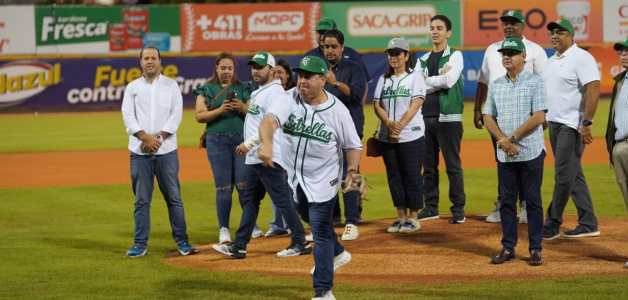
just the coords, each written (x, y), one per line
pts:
(228, 169)
(278, 223)
(529, 176)
(259, 180)
(319, 215)
(144, 168)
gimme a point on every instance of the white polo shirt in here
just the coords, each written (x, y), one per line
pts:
(261, 100)
(492, 68)
(565, 78)
(315, 138)
(153, 108)
(395, 95)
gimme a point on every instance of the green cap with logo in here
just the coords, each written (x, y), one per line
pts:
(325, 24)
(621, 45)
(512, 44)
(263, 59)
(513, 14)
(312, 64)
(561, 24)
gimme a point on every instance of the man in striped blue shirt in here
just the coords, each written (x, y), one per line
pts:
(617, 128)
(514, 114)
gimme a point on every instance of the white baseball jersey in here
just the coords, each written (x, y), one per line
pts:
(261, 100)
(492, 67)
(315, 137)
(395, 95)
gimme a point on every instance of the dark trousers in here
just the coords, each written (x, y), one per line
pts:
(499, 194)
(319, 215)
(259, 180)
(445, 137)
(350, 199)
(568, 148)
(529, 176)
(404, 162)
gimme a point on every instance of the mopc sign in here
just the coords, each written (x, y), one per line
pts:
(370, 25)
(17, 29)
(615, 20)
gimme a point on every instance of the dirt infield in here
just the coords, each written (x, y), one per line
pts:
(436, 254)
(72, 168)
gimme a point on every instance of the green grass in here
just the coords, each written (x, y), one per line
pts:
(99, 131)
(68, 242)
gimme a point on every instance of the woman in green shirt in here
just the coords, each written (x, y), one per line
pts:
(221, 104)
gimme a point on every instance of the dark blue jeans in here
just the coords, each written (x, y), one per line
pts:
(165, 167)
(403, 168)
(530, 175)
(326, 244)
(228, 169)
(259, 180)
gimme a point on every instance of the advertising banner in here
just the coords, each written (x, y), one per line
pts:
(483, 27)
(17, 29)
(370, 25)
(101, 30)
(615, 20)
(246, 27)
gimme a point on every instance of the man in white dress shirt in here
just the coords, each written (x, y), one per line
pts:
(151, 109)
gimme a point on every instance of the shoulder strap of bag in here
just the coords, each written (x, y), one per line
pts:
(211, 105)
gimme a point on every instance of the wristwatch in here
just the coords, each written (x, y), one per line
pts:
(513, 139)
(587, 123)
(337, 84)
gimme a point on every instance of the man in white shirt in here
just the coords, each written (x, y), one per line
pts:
(317, 128)
(513, 24)
(573, 90)
(261, 179)
(151, 110)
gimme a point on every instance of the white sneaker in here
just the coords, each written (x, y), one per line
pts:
(339, 261)
(410, 226)
(523, 218)
(225, 235)
(394, 227)
(257, 232)
(323, 295)
(351, 233)
(309, 237)
(626, 265)
(495, 217)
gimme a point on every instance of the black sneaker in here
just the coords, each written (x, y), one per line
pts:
(231, 249)
(427, 214)
(581, 231)
(295, 250)
(457, 218)
(550, 233)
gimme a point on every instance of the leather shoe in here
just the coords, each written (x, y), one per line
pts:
(535, 258)
(503, 257)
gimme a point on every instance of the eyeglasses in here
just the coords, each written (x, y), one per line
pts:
(557, 33)
(623, 51)
(280, 72)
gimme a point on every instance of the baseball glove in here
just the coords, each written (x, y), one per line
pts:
(356, 182)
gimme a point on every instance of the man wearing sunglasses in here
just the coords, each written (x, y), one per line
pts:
(573, 88)
(513, 24)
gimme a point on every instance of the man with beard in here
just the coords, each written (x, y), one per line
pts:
(492, 68)
(261, 179)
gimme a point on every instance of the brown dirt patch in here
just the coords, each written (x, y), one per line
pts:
(70, 168)
(438, 253)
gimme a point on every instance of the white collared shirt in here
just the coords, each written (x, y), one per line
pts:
(261, 101)
(565, 78)
(492, 67)
(152, 108)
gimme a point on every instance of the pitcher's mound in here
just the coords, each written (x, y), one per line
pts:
(437, 253)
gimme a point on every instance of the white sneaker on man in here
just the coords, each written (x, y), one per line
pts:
(323, 295)
(309, 237)
(225, 235)
(495, 217)
(351, 233)
(339, 261)
(257, 232)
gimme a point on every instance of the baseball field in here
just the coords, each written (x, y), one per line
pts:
(66, 220)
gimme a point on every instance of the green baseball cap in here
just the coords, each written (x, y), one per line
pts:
(513, 14)
(263, 59)
(312, 64)
(512, 44)
(562, 24)
(620, 45)
(325, 24)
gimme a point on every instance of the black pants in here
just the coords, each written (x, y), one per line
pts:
(404, 162)
(499, 195)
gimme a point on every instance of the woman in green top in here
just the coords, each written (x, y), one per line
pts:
(225, 122)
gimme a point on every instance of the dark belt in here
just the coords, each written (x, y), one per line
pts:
(622, 140)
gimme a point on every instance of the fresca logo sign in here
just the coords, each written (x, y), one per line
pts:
(21, 80)
(70, 28)
(389, 20)
(74, 24)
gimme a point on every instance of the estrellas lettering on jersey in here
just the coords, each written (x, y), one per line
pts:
(400, 91)
(316, 131)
